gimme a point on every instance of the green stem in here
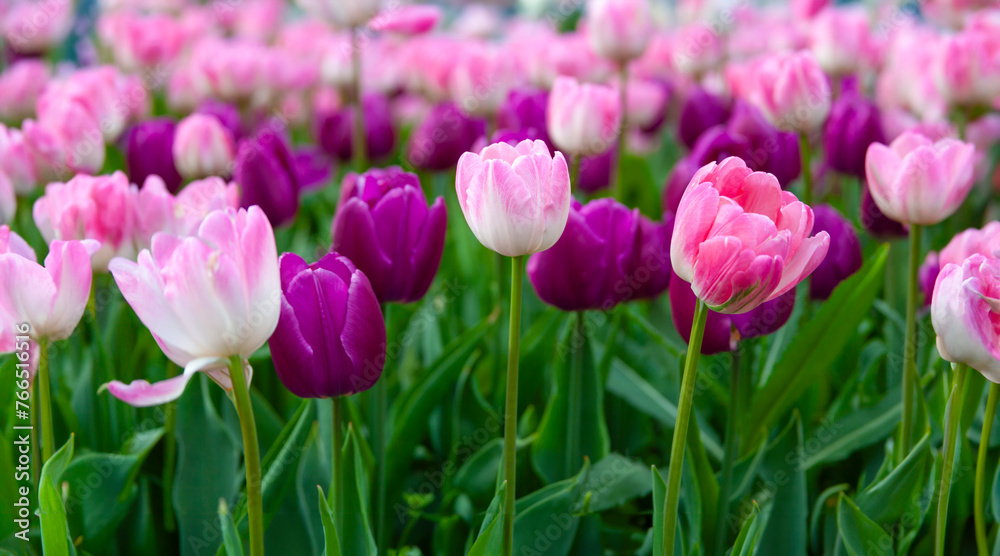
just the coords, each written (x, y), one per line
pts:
(616, 186)
(337, 488)
(807, 180)
(170, 458)
(575, 391)
(729, 453)
(45, 400)
(984, 441)
(360, 147)
(910, 346)
(380, 441)
(953, 414)
(510, 411)
(574, 176)
(251, 454)
(681, 428)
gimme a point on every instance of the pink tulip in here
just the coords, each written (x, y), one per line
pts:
(968, 68)
(430, 64)
(100, 208)
(20, 86)
(231, 71)
(570, 55)
(515, 199)
(142, 41)
(477, 21)
(985, 242)
(203, 147)
(482, 78)
(67, 127)
(583, 119)
(157, 211)
(792, 91)
(50, 298)
(8, 200)
(646, 103)
(619, 29)
(109, 96)
(918, 181)
(953, 13)
(698, 49)
(740, 240)
(842, 40)
(807, 9)
(204, 298)
(16, 161)
(33, 27)
(407, 20)
(965, 312)
(46, 151)
(907, 77)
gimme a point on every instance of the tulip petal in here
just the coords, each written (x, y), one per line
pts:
(140, 393)
(811, 252)
(695, 217)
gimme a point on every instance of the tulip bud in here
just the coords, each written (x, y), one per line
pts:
(792, 91)
(844, 257)
(384, 225)
(595, 171)
(526, 111)
(854, 123)
(149, 148)
(227, 114)
(965, 313)
(20, 86)
(842, 40)
(918, 181)
(583, 119)
(203, 147)
(985, 242)
(967, 71)
(331, 339)
(619, 29)
(515, 199)
(482, 78)
(266, 172)
(702, 110)
(334, 129)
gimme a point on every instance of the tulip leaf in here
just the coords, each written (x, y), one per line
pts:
(659, 504)
(479, 473)
(785, 484)
(817, 344)
(573, 425)
(855, 431)
(546, 520)
(56, 538)
(613, 481)
(332, 538)
(357, 529)
(490, 538)
(859, 533)
(887, 500)
(749, 536)
(230, 537)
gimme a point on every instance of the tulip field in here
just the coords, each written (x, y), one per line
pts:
(499, 278)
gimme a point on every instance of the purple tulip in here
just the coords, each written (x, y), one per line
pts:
(384, 225)
(227, 114)
(525, 111)
(772, 151)
(595, 171)
(764, 319)
(844, 257)
(608, 254)
(335, 130)
(149, 151)
(928, 275)
(443, 137)
(853, 124)
(268, 175)
(875, 222)
(330, 340)
(702, 110)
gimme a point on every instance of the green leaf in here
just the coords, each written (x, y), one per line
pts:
(358, 539)
(749, 537)
(573, 425)
(546, 521)
(659, 501)
(818, 343)
(888, 499)
(614, 481)
(490, 539)
(785, 483)
(56, 539)
(230, 538)
(329, 525)
(857, 430)
(818, 511)
(859, 533)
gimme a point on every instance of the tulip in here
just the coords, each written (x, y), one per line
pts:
(266, 171)
(583, 119)
(702, 110)
(515, 199)
(967, 72)
(618, 29)
(42, 150)
(407, 20)
(202, 147)
(875, 222)
(526, 111)
(844, 257)
(928, 274)
(110, 97)
(149, 152)
(331, 339)
(985, 242)
(20, 86)
(595, 171)
(792, 91)
(767, 253)
(334, 129)
(158, 211)
(100, 208)
(841, 40)
(73, 133)
(763, 320)
(142, 41)
(854, 124)
(482, 78)
(16, 160)
(607, 255)
(442, 138)
(384, 225)
(917, 181)
(36, 27)
(227, 114)
(646, 104)
(771, 150)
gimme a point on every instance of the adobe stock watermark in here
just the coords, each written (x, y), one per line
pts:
(22, 431)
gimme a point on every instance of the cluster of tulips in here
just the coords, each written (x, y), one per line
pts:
(183, 135)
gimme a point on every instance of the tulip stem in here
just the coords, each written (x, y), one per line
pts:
(379, 436)
(360, 147)
(45, 400)
(574, 184)
(729, 452)
(170, 458)
(984, 441)
(575, 395)
(807, 179)
(910, 346)
(510, 412)
(336, 489)
(681, 427)
(953, 414)
(616, 187)
(251, 454)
